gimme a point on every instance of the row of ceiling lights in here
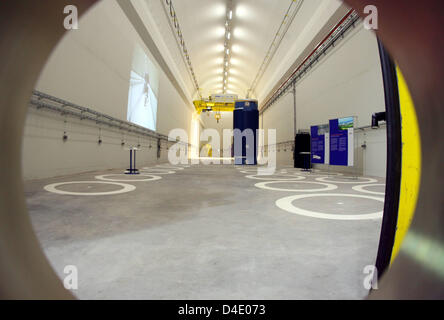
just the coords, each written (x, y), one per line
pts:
(288, 19)
(227, 44)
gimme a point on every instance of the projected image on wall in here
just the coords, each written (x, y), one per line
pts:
(142, 100)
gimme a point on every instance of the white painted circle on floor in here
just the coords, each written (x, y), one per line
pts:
(320, 173)
(312, 175)
(249, 171)
(273, 177)
(361, 187)
(148, 170)
(286, 204)
(326, 186)
(330, 173)
(367, 180)
(150, 177)
(125, 188)
(169, 167)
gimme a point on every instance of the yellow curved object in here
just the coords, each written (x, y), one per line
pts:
(411, 164)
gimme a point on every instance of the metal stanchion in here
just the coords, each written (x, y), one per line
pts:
(132, 169)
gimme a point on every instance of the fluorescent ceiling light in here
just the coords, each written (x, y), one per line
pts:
(242, 11)
(239, 33)
(230, 14)
(219, 48)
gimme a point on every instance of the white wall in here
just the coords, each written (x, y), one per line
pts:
(91, 67)
(280, 116)
(347, 82)
(172, 112)
(375, 153)
(46, 155)
(309, 23)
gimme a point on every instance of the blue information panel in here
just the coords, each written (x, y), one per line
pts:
(342, 141)
(319, 147)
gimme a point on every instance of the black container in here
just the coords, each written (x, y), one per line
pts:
(302, 145)
(246, 116)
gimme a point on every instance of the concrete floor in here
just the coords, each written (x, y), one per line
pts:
(206, 232)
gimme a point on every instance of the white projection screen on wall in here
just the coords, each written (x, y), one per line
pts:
(142, 100)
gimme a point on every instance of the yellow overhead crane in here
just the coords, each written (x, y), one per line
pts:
(216, 103)
(206, 105)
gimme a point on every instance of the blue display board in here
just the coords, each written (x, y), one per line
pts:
(319, 144)
(342, 141)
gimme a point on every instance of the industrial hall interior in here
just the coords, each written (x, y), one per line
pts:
(223, 149)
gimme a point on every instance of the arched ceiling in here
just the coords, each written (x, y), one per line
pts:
(254, 26)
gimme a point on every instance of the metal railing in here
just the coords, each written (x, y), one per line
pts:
(284, 145)
(290, 144)
(289, 16)
(42, 100)
(330, 41)
(178, 35)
